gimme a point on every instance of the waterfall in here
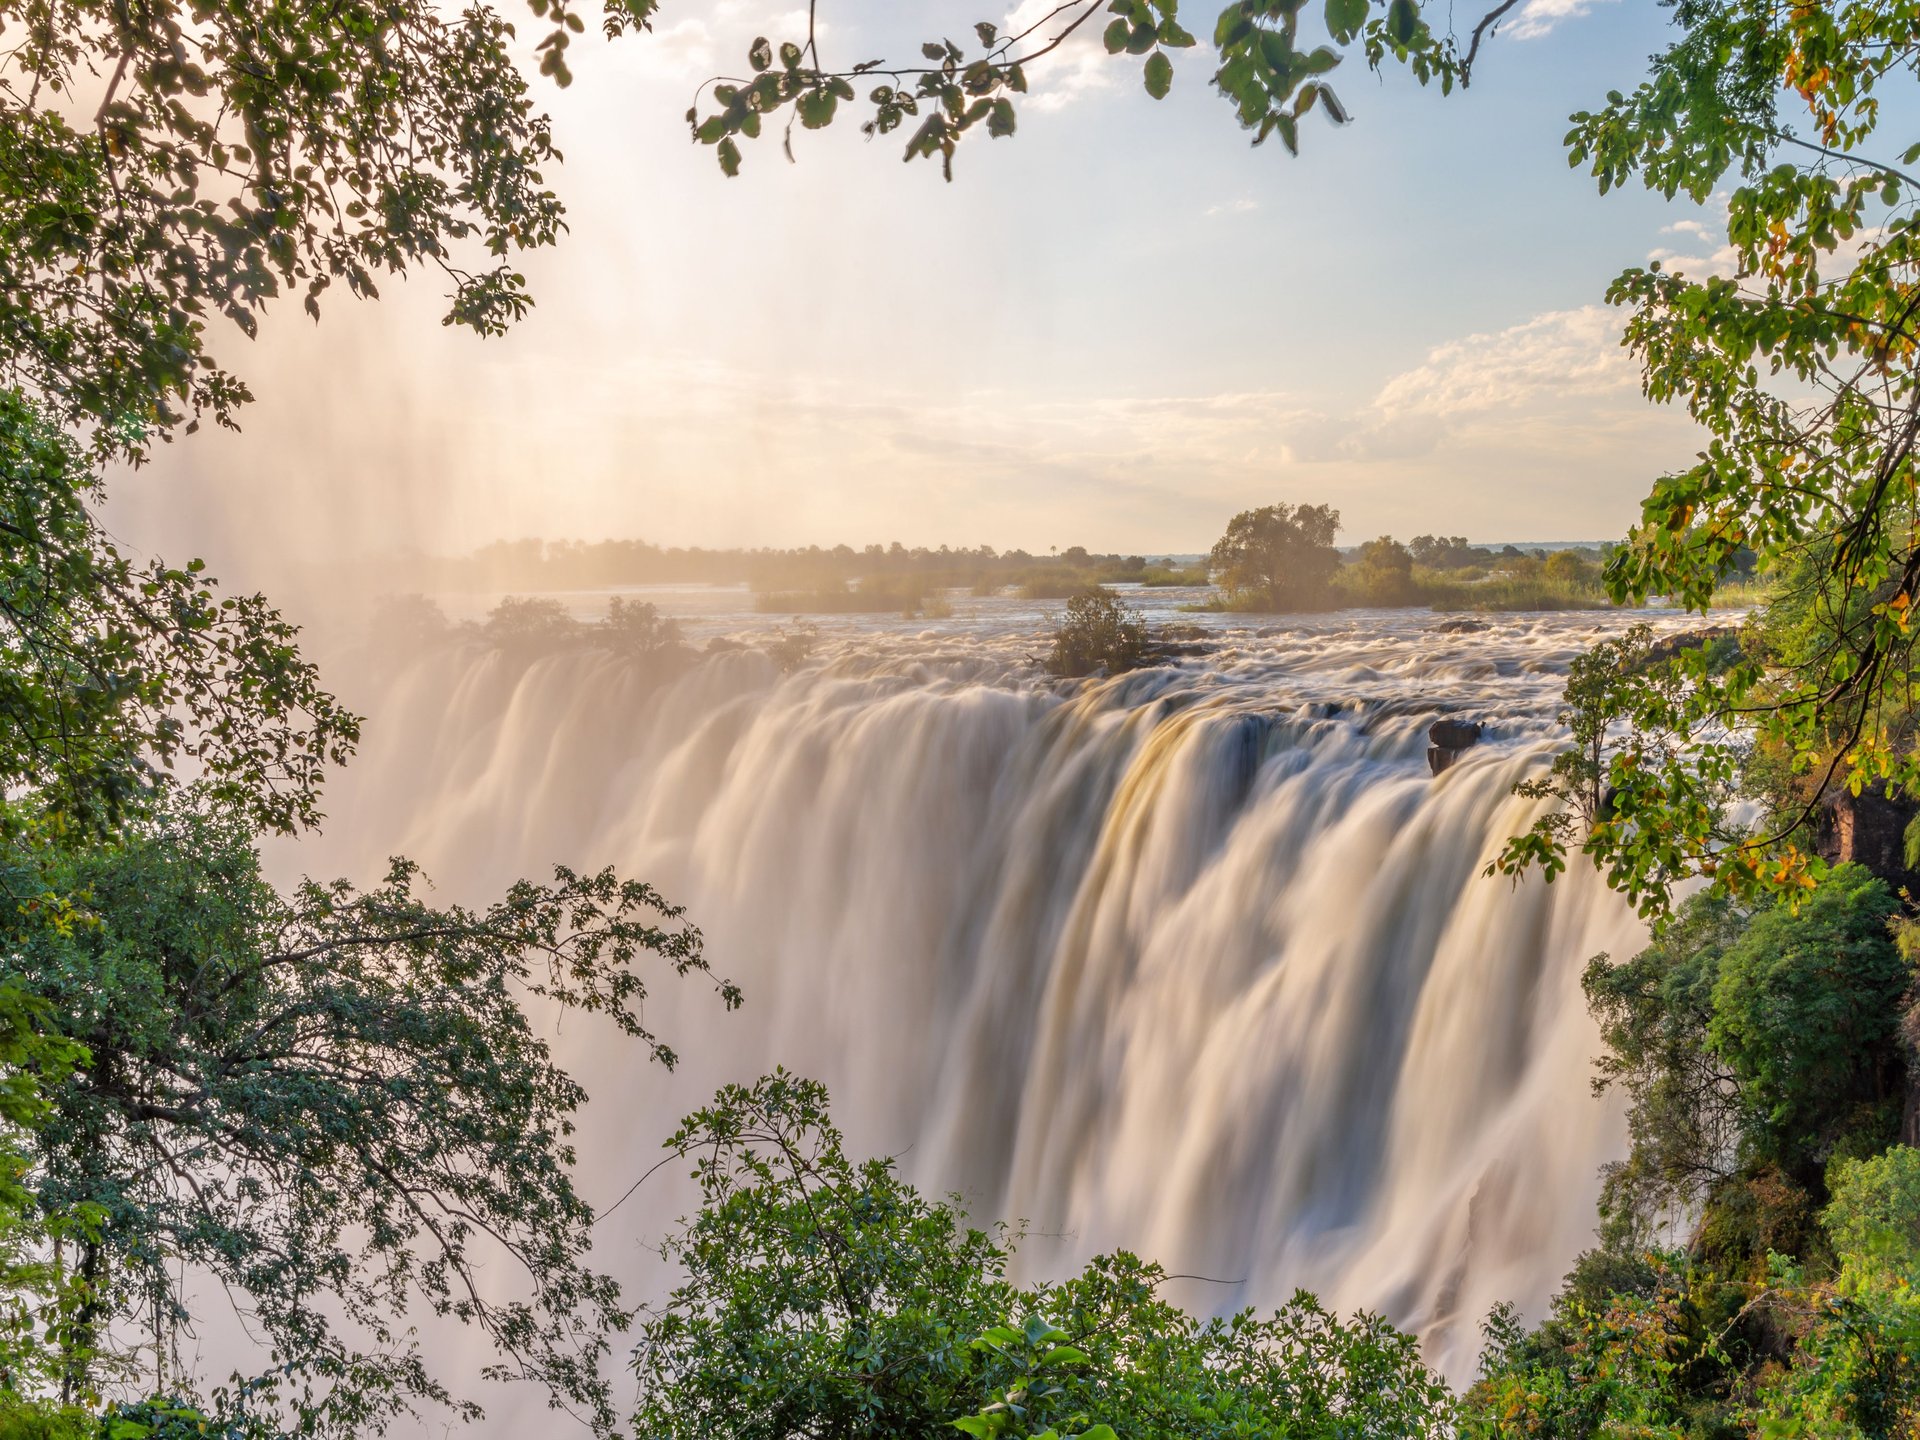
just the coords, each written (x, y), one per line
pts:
(1197, 961)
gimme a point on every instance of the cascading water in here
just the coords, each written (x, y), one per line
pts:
(1198, 961)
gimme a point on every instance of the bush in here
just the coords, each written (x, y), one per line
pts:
(530, 623)
(1875, 1214)
(793, 646)
(1382, 575)
(1098, 631)
(1753, 1048)
(824, 1296)
(1806, 1016)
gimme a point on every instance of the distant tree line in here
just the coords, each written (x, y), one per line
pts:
(579, 565)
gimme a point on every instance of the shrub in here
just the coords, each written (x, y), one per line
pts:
(1806, 1014)
(530, 623)
(824, 1296)
(1099, 630)
(1753, 1048)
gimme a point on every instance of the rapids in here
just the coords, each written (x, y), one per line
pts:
(1197, 962)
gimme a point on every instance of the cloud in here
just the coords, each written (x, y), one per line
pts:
(1242, 206)
(1542, 17)
(1080, 67)
(1563, 355)
(697, 48)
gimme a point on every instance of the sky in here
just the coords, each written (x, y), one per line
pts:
(1115, 329)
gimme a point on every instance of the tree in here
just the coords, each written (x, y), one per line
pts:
(1383, 573)
(1278, 558)
(1756, 1044)
(530, 623)
(825, 1296)
(112, 671)
(335, 1102)
(169, 163)
(1802, 368)
(1099, 631)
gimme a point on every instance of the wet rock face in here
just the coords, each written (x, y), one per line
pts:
(1454, 734)
(1870, 829)
(1447, 738)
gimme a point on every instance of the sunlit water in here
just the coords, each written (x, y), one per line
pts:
(1198, 961)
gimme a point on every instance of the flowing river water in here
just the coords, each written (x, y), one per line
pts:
(1198, 961)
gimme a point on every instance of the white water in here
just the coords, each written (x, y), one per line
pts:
(1197, 962)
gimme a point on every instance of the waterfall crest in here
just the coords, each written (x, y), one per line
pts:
(1197, 962)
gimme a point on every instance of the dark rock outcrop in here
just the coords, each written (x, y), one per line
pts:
(1870, 829)
(1446, 739)
(1668, 646)
(1459, 627)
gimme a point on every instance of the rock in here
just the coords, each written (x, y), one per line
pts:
(1447, 739)
(1870, 830)
(1454, 734)
(1667, 647)
(1459, 627)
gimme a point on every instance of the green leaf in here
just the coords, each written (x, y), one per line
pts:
(1345, 18)
(987, 33)
(760, 56)
(1000, 121)
(729, 157)
(1116, 36)
(1403, 21)
(816, 108)
(1159, 75)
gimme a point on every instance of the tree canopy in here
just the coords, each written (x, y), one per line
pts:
(1278, 558)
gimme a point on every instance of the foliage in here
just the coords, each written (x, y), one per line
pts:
(334, 1101)
(1801, 366)
(824, 1296)
(1604, 786)
(521, 622)
(821, 1296)
(1278, 558)
(1038, 1354)
(637, 630)
(1684, 1110)
(1753, 1045)
(1874, 1217)
(1382, 574)
(1098, 631)
(114, 671)
(165, 164)
(793, 646)
(1609, 1370)
(1806, 1015)
(1265, 71)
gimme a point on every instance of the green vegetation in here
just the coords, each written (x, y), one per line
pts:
(1097, 633)
(1278, 558)
(326, 1100)
(329, 1106)
(326, 1097)
(1281, 559)
(825, 1296)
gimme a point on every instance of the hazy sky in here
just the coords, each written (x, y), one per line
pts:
(1114, 330)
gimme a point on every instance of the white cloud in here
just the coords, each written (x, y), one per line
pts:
(1080, 67)
(1241, 206)
(1542, 17)
(1562, 355)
